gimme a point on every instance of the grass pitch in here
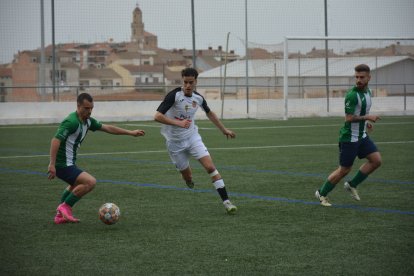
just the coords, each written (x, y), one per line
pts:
(271, 170)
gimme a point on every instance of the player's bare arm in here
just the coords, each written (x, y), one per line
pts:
(356, 118)
(161, 118)
(54, 147)
(216, 121)
(121, 131)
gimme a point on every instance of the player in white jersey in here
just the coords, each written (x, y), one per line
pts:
(353, 139)
(177, 114)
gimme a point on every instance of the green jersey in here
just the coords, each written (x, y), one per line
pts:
(71, 133)
(356, 103)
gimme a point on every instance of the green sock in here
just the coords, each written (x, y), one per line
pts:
(71, 199)
(64, 195)
(358, 178)
(326, 188)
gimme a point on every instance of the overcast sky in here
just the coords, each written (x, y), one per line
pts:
(88, 21)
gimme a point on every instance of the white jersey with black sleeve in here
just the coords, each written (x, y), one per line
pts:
(180, 107)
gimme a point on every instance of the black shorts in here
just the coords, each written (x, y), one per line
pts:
(68, 174)
(348, 151)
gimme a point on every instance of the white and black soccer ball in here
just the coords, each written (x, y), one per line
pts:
(109, 213)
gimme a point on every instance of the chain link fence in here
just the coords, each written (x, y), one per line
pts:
(52, 50)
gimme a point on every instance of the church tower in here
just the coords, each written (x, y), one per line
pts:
(139, 37)
(137, 27)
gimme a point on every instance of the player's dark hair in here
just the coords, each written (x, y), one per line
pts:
(84, 96)
(189, 72)
(362, 68)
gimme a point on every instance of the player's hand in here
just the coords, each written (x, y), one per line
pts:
(184, 123)
(373, 118)
(51, 172)
(229, 133)
(369, 127)
(138, 132)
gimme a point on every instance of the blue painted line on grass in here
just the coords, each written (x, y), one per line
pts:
(249, 170)
(22, 171)
(356, 207)
(259, 197)
(252, 170)
(268, 198)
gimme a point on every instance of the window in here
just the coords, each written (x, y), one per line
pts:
(60, 75)
(3, 92)
(105, 84)
(83, 83)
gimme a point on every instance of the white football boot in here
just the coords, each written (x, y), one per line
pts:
(353, 191)
(230, 208)
(323, 199)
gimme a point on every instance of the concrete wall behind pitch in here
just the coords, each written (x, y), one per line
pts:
(119, 111)
(55, 112)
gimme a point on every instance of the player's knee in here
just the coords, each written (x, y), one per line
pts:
(375, 160)
(377, 163)
(91, 183)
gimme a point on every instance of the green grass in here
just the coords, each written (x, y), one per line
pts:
(271, 170)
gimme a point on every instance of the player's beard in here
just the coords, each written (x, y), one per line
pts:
(361, 86)
(86, 115)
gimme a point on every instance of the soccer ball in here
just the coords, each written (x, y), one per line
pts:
(109, 213)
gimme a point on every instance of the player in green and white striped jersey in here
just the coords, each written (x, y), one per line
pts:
(353, 139)
(63, 149)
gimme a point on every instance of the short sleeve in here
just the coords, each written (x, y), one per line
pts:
(66, 128)
(350, 103)
(203, 104)
(95, 124)
(168, 101)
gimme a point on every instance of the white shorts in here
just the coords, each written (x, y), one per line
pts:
(180, 151)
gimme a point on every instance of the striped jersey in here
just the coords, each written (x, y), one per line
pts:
(71, 133)
(176, 105)
(356, 103)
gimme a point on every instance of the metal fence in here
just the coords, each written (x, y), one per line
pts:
(51, 50)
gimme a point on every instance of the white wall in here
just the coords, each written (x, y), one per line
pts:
(55, 112)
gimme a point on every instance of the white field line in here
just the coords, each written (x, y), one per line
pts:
(210, 149)
(277, 127)
(209, 128)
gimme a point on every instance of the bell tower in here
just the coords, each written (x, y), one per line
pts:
(137, 27)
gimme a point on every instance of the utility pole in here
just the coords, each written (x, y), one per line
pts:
(326, 57)
(193, 31)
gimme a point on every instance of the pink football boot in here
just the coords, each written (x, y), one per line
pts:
(59, 219)
(66, 211)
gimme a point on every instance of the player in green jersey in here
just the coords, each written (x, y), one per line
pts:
(63, 149)
(353, 139)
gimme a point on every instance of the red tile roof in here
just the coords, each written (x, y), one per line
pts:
(5, 72)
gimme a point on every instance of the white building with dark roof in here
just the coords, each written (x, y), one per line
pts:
(306, 76)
